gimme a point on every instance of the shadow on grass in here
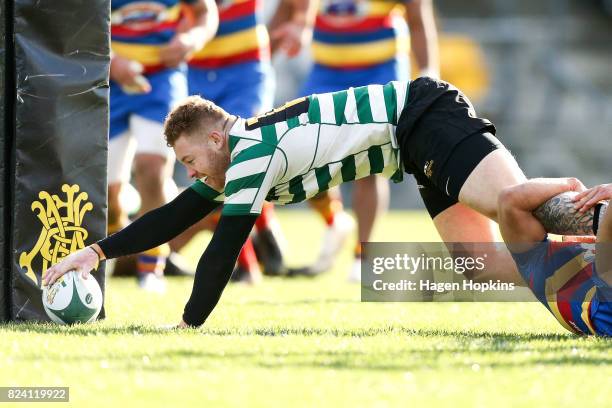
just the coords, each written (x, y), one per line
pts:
(401, 361)
(275, 302)
(100, 329)
(459, 349)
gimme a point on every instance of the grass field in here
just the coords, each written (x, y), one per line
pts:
(311, 343)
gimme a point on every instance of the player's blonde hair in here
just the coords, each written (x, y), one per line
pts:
(193, 115)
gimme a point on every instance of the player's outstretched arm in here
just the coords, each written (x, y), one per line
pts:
(215, 267)
(152, 229)
(520, 227)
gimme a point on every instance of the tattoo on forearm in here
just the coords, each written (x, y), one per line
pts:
(558, 216)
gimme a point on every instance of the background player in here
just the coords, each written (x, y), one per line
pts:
(573, 280)
(357, 43)
(150, 43)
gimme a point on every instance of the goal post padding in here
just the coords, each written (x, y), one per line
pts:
(4, 193)
(61, 54)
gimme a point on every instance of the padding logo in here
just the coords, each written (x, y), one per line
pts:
(62, 229)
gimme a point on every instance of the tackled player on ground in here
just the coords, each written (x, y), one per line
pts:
(572, 279)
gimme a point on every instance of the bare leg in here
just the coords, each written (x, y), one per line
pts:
(472, 219)
(495, 172)
(371, 196)
(117, 217)
(150, 174)
(339, 227)
(460, 223)
(327, 204)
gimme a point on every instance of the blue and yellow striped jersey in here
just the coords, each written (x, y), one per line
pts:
(562, 276)
(140, 28)
(351, 34)
(241, 36)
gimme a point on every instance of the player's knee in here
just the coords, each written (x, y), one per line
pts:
(151, 168)
(151, 174)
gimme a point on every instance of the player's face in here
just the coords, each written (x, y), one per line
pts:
(204, 157)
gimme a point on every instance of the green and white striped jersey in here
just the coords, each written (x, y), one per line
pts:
(308, 145)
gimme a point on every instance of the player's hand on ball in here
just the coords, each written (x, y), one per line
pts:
(590, 197)
(81, 261)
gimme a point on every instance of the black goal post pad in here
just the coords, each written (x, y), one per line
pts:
(61, 54)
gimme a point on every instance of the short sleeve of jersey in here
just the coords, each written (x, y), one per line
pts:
(207, 191)
(248, 180)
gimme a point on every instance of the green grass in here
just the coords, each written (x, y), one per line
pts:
(311, 342)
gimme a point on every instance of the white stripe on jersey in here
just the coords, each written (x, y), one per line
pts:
(400, 91)
(309, 181)
(362, 163)
(377, 103)
(326, 104)
(246, 196)
(243, 144)
(251, 134)
(271, 177)
(334, 170)
(247, 168)
(281, 128)
(350, 110)
(303, 118)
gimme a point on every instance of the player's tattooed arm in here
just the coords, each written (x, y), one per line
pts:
(559, 216)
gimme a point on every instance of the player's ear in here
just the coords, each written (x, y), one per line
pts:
(216, 139)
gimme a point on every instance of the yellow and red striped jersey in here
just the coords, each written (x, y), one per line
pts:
(140, 28)
(241, 36)
(359, 33)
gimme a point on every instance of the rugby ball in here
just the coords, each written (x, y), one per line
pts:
(72, 299)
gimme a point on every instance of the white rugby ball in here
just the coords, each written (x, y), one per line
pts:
(72, 299)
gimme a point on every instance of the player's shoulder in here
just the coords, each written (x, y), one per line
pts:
(242, 139)
(250, 149)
